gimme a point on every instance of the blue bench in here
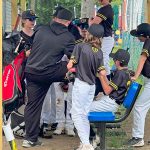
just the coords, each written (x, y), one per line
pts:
(101, 118)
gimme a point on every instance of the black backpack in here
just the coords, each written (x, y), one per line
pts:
(10, 42)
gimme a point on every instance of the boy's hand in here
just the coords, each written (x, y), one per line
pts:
(27, 53)
(102, 73)
(70, 75)
(133, 78)
(69, 65)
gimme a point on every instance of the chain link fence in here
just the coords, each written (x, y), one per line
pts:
(135, 16)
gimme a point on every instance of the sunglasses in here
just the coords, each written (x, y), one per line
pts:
(84, 26)
(31, 19)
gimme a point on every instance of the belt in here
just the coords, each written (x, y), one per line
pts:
(115, 100)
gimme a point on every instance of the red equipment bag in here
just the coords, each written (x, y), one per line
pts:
(11, 80)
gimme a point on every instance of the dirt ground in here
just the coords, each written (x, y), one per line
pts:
(64, 142)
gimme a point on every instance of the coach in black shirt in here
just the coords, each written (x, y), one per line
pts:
(105, 18)
(44, 66)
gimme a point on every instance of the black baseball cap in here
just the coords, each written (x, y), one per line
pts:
(96, 30)
(57, 9)
(28, 14)
(64, 14)
(121, 55)
(142, 30)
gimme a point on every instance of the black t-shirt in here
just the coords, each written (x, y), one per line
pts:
(88, 60)
(26, 41)
(146, 49)
(120, 83)
(106, 13)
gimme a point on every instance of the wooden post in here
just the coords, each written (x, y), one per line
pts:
(23, 5)
(148, 11)
(14, 7)
(14, 13)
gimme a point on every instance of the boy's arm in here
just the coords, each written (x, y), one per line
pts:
(142, 60)
(105, 83)
(101, 15)
(96, 20)
(70, 64)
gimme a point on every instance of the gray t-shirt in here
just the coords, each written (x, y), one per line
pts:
(88, 60)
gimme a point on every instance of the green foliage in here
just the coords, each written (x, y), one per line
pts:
(70, 4)
(116, 2)
(45, 8)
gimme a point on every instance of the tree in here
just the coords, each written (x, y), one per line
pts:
(87, 8)
(45, 8)
(33, 5)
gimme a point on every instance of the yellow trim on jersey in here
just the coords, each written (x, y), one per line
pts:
(114, 85)
(94, 49)
(73, 59)
(78, 41)
(97, 75)
(101, 16)
(100, 68)
(145, 51)
(128, 83)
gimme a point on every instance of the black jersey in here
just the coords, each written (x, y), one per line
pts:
(106, 13)
(88, 60)
(120, 83)
(26, 41)
(146, 67)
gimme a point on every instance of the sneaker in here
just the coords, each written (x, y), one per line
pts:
(28, 144)
(95, 142)
(85, 147)
(80, 146)
(45, 131)
(59, 131)
(136, 142)
(54, 126)
(70, 132)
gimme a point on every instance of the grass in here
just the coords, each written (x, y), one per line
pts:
(116, 138)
